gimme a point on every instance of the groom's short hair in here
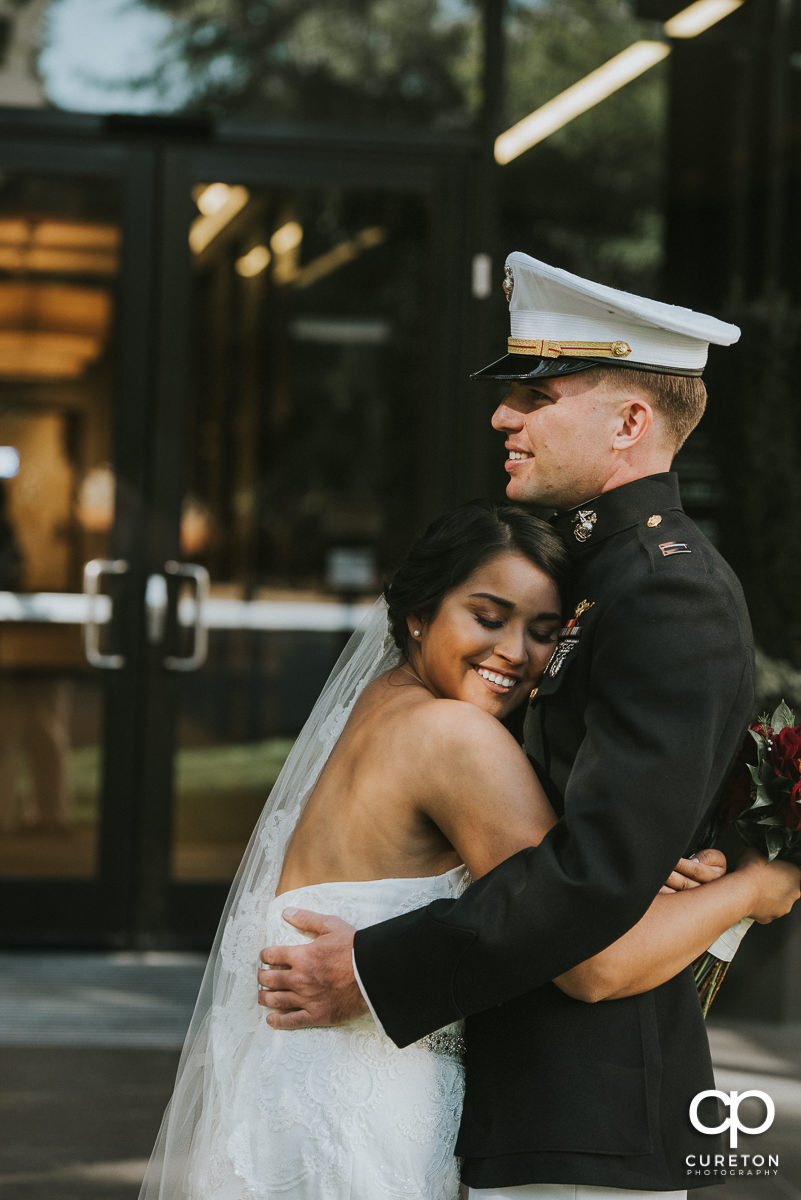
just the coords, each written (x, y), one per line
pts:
(679, 399)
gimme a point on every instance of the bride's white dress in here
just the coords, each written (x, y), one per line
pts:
(324, 1114)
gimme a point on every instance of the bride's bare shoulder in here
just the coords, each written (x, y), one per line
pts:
(438, 728)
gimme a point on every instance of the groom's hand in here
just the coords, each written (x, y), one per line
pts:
(703, 867)
(311, 984)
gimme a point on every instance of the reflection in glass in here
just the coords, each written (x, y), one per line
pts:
(59, 251)
(415, 64)
(311, 335)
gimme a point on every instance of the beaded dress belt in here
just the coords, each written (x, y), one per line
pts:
(445, 1042)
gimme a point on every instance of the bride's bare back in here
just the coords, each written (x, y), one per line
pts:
(416, 785)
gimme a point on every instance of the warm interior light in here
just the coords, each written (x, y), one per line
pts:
(94, 504)
(51, 331)
(34, 305)
(45, 364)
(57, 261)
(47, 245)
(47, 231)
(22, 341)
(285, 243)
(699, 16)
(338, 256)
(585, 94)
(253, 263)
(45, 355)
(211, 198)
(218, 204)
(287, 237)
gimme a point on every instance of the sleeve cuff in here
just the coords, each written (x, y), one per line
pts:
(373, 1013)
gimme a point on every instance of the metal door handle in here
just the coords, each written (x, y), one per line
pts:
(200, 646)
(93, 572)
(155, 608)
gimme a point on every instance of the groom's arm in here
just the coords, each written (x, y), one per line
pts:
(671, 689)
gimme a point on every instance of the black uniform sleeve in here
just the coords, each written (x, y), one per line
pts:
(670, 691)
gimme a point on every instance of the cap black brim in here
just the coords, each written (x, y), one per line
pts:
(519, 367)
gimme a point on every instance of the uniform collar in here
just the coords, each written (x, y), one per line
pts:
(623, 507)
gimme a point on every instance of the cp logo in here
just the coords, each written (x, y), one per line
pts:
(733, 1100)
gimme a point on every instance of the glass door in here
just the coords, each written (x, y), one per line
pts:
(320, 428)
(70, 457)
(232, 389)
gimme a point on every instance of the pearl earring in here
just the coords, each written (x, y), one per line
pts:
(415, 633)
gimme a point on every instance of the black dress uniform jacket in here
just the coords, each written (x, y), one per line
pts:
(632, 730)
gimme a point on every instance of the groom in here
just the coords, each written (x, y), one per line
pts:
(632, 730)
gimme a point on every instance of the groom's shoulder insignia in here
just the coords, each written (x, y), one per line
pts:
(665, 536)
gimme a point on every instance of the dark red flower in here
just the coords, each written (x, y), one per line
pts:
(789, 808)
(785, 752)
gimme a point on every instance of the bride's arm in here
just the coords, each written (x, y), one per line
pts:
(466, 773)
(477, 785)
(677, 928)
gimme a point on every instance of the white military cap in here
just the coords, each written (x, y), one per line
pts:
(561, 323)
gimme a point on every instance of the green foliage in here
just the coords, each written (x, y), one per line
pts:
(782, 717)
(350, 61)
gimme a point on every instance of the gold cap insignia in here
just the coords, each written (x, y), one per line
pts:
(508, 283)
(583, 523)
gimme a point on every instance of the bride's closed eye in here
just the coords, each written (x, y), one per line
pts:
(488, 622)
(543, 637)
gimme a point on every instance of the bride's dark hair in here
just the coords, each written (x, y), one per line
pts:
(455, 545)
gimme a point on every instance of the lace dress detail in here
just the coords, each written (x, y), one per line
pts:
(324, 1114)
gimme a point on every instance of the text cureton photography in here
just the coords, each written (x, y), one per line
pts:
(733, 1164)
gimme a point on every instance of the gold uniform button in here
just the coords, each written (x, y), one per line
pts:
(654, 521)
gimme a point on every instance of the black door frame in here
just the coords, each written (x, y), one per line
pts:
(98, 911)
(132, 901)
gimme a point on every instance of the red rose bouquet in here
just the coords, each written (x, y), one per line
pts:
(762, 799)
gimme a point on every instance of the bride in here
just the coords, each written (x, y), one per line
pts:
(403, 784)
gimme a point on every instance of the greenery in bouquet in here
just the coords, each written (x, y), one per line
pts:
(762, 800)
